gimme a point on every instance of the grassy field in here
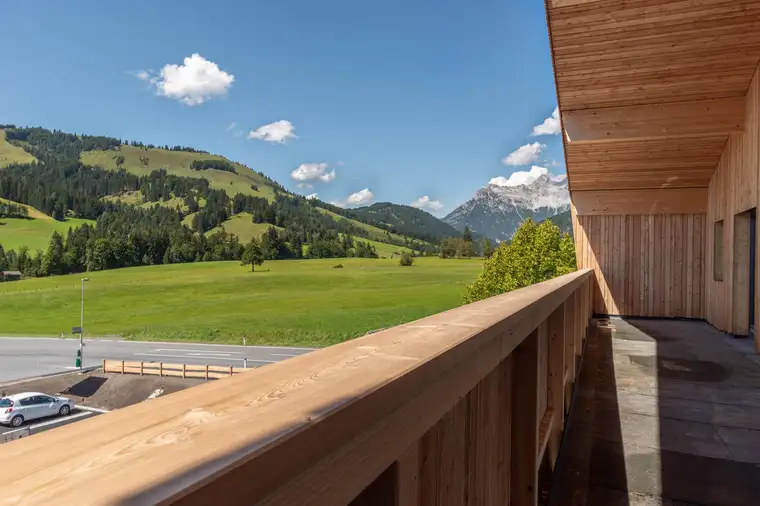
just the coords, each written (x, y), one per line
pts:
(12, 154)
(304, 302)
(35, 232)
(178, 163)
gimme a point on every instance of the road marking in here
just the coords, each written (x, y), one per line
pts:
(285, 354)
(212, 352)
(88, 408)
(225, 359)
(203, 353)
(53, 421)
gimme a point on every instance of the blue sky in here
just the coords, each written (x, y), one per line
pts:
(404, 99)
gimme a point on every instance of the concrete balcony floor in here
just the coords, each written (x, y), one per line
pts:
(666, 413)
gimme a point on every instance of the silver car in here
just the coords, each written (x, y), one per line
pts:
(19, 408)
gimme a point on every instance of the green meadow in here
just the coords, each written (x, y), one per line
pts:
(285, 302)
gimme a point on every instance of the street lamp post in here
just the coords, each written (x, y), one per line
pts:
(81, 327)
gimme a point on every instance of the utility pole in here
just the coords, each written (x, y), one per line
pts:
(81, 327)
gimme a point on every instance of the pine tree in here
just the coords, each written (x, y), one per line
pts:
(252, 255)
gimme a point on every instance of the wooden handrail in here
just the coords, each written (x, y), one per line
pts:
(320, 428)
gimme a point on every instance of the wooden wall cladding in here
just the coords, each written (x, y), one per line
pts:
(645, 265)
(733, 190)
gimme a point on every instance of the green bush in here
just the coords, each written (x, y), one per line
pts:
(405, 259)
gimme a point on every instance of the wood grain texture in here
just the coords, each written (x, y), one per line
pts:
(733, 190)
(667, 201)
(658, 82)
(525, 423)
(740, 273)
(314, 430)
(703, 118)
(482, 447)
(407, 486)
(643, 164)
(644, 265)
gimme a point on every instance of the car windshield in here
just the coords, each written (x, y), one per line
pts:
(6, 403)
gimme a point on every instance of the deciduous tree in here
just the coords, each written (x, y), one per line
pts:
(535, 253)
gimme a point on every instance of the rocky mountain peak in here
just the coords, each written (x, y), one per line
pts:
(497, 210)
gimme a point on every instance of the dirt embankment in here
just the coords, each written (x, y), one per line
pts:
(104, 391)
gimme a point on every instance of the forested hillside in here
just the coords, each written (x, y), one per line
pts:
(397, 219)
(153, 205)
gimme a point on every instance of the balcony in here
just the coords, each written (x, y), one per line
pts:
(519, 399)
(462, 407)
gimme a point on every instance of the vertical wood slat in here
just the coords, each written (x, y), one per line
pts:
(570, 338)
(466, 456)
(407, 477)
(543, 368)
(525, 422)
(644, 265)
(556, 379)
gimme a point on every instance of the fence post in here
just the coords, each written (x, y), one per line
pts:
(230, 370)
(141, 367)
(161, 369)
(183, 370)
(104, 365)
(207, 371)
(122, 367)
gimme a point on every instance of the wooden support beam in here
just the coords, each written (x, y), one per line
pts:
(645, 202)
(525, 423)
(722, 116)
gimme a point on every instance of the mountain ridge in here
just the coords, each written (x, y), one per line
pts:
(496, 211)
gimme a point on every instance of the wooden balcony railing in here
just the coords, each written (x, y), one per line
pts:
(457, 408)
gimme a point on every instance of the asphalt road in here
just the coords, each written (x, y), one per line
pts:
(25, 357)
(36, 426)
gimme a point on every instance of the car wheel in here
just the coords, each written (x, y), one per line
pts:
(17, 421)
(65, 410)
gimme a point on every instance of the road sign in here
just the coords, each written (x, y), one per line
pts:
(76, 330)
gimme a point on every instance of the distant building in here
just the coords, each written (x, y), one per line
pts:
(10, 276)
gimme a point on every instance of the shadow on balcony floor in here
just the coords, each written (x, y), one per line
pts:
(666, 413)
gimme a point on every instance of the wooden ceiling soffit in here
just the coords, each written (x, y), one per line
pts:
(655, 121)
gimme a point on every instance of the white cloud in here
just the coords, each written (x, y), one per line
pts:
(338, 204)
(312, 196)
(192, 83)
(550, 126)
(524, 154)
(360, 198)
(520, 177)
(232, 126)
(424, 202)
(305, 186)
(279, 132)
(313, 172)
